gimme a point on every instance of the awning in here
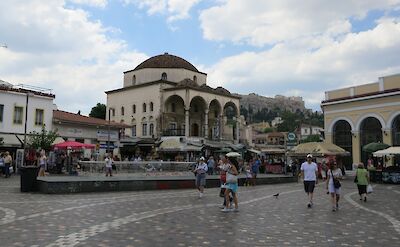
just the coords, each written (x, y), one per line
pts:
(318, 149)
(254, 151)
(58, 140)
(11, 140)
(388, 151)
(174, 145)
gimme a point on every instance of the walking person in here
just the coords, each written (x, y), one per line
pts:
(362, 181)
(210, 165)
(231, 186)
(2, 165)
(223, 167)
(255, 168)
(109, 161)
(7, 164)
(42, 163)
(200, 172)
(334, 175)
(309, 173)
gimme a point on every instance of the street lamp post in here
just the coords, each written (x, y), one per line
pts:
(25, 126)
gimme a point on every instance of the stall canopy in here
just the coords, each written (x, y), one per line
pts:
(174, 145)
(374, 146)
(388, 151)
(73, 145)
(254, 151)
(318, 149)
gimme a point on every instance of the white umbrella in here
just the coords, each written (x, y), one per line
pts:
(233, 154)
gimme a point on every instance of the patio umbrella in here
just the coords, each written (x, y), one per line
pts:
(233, 154)
(73, 145)
(374, 146)
(318, 149)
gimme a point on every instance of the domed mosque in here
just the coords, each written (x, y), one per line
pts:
(166, 95)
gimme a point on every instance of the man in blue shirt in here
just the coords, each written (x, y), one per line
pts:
(255, 167)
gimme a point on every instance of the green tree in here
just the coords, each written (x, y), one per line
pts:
(43, 139)
(289, 122)
(98, 111)
(268, 130)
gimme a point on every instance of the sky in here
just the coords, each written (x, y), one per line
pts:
(80, 48)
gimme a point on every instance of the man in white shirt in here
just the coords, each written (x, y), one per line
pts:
(109, 162)
(309, 173)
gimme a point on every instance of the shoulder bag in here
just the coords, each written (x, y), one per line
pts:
(336, 182)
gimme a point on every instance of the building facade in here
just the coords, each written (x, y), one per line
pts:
(167, 96)
(15, 102)
(359, 115)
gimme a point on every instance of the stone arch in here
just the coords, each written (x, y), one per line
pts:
(394, 128)
(164, 76)
(174, 116)
(229, 126)
(197, 110)
(134, 80)
(133, 127)
(370, 131)
(343, 137)
(390, 121)
(214, 118)
(365, 116)
(337, 119)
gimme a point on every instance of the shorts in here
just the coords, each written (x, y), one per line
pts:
(362, 189)
(232, 186)
(254, 175)
(200, 180)
(309, 186)
(332, 189)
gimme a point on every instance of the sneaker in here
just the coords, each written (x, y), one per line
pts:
(309, 205)
(333, 209)
(200, 195)
(365, 199)
(337, 206)
(235, 210)
(221, 206)
(225, 210)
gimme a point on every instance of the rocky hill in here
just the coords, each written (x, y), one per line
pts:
(257, 103)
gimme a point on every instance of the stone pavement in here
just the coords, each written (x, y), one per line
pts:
(180, 218)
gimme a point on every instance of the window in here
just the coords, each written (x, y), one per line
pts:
(113, 112)
(134, 80)
(195, 79)
(151, 131)
(144, 129)
(173, 107)
(122, 111)
(1, 112)
(144, 107)
(134, 130)
(18, 111)
(39, 117)
(134, 109)
(151, 106)
(164, 76)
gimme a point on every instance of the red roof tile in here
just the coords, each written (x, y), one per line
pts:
(80, 119)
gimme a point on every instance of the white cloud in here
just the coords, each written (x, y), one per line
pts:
(93, 3)
(174, 9)
(260, 22)
(59, 48)
(288, 68)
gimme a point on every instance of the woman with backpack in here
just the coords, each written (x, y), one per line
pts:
(334, 175)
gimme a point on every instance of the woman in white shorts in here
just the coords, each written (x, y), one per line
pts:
(333, 185)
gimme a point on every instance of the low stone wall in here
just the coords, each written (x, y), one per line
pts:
(60, 185)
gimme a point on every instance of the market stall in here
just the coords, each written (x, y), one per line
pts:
(390, 172)
(274, 160)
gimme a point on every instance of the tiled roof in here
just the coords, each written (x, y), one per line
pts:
(166, 61)
(80, 119)
(4, 87)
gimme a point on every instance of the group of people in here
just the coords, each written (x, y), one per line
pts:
(228, 168)
(309, 173)
(5, 164)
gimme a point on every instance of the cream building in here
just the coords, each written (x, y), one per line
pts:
(167, 96)
(359, 115)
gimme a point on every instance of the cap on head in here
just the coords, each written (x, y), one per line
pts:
(309, 156)
(202, 158)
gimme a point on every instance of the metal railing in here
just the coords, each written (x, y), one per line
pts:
(138, 168)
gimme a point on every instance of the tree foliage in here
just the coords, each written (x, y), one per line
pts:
(42, 140)
(312, 138)
(98, 111)
(268, 130)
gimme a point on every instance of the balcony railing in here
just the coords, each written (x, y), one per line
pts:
(174, 132)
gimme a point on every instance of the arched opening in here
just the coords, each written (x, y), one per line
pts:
(396, 131)
(122, 111)
(214, 119)
(174, 113)
(194, 129)
(133, 128)
(197, 112)
(144, 127)
(164, 76)
(195, 78)
(134, 80)
(151, 106)
(133, 109)
(370, 131)
(343, 138)
(144, 107)
(229, 124)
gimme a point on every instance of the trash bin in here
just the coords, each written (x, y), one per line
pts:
(28, 178)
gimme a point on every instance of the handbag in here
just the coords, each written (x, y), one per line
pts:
(369, 189)
(336, 182)
(230, 178)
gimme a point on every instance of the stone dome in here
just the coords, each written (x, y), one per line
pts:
(166, 61)
(222, 90)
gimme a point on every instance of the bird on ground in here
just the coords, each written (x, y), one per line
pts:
(276, 195)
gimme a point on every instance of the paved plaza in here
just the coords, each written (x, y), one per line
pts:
(180, 218)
